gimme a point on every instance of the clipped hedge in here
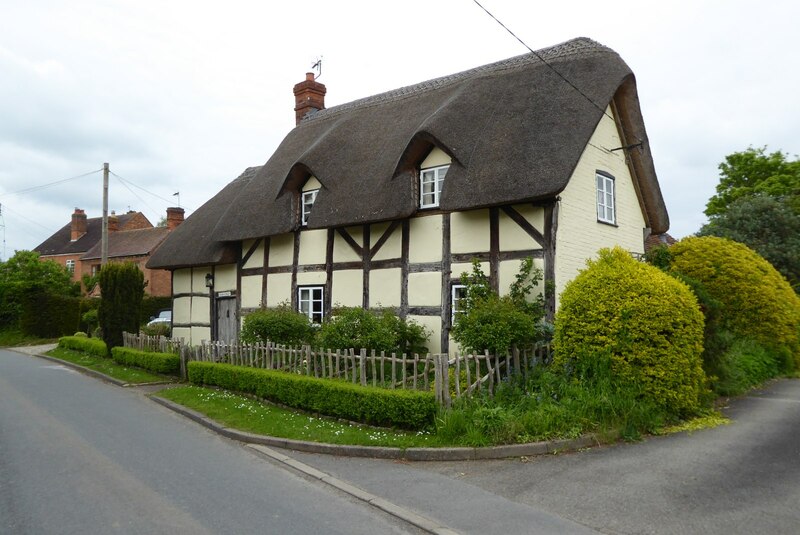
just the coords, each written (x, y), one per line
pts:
(164, 363)
(93, 346)
(756, 300)
(646, 322)
(376, 406)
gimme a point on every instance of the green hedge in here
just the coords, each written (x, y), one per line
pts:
(166, 363)
(49, 316)
(401, 408)
(92, 346)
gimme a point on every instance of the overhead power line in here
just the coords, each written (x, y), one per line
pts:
(556, 71)
(49, 184)
(124, 180)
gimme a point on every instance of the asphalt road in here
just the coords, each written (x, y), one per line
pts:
(80, 456)
(740, 478)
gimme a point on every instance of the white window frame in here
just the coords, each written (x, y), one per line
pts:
(606, 198)
(455, 299)
(431, 176)
(307, 199)
(70, 264)
(308, 304)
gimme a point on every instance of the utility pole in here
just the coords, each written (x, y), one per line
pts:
(104, 238)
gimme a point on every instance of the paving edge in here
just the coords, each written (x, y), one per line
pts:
(92, 373)
(379, 452)
(406, 515)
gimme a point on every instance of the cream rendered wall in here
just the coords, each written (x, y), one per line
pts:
(384, 287)
(311, 183)
(425, 244)
(182, 333)
(435, 158)
(425, 289)
(281, 250)
(316, 278)
(182, 310)
(312, 246)
(279, 289)
(256, 260)
(512, 237)
(224, 278)
(199, 334)
(342, 252)
(201, 310)
(392, 247)
(508, 271)
(182, 281)
(251, 291)
(348, 289)
(457, 269)
(199, 279)
(434, 324)
(580, 235)
(469, 231)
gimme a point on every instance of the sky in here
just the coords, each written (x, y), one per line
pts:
(182, 96)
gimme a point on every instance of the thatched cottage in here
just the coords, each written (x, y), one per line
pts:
(384, 202)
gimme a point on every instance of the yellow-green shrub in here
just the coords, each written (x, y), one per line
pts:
(647, 322)
(756, 301)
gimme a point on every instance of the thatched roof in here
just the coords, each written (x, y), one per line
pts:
(514, 129)
(190, 244)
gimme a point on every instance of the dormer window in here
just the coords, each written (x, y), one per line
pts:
(432, 172)
(307, 197)
(307, 202)
(430, 186)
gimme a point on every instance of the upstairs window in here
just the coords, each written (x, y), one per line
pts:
(605, 198)
(430, 186)
(306, 202)
(71, 266)
(310, 302)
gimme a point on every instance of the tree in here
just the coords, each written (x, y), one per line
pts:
(122, 291)
(24, 274)
(753, 172)
(489, 321)
(647, 323)
(769, 226)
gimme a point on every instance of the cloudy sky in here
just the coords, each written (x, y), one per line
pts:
(184, 95)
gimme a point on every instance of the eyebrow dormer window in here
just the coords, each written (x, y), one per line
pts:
(307, 202)
(430, 186)
(308, 195)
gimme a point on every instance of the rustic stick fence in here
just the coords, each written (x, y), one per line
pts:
(450, 376)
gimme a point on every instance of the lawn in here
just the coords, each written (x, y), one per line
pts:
(246, 414)
(107, 366)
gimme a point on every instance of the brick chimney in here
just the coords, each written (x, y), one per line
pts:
(174, 217)
(113, 222)
(78, 225)
(309, 96)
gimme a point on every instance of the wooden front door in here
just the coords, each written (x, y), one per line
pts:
(227, 320)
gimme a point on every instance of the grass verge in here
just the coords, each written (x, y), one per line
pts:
(106, 366)
(15, 337)
(246, 414)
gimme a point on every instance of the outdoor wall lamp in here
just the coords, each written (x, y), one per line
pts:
(209, 280)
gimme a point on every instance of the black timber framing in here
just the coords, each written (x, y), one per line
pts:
(445, 267)
(550, 232)
(295, 260)
(494, 249)
(404, 267)
(264, 301)
(365, 266)
(327, 305)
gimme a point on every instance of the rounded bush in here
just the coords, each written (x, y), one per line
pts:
(756, 301)
(280, 325)
(646, 322)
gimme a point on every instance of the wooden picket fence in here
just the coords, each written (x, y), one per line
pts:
(450, 376)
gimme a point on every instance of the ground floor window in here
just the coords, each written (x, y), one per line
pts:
(457, 294)
(310, 302)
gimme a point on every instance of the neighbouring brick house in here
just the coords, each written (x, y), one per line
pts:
(131, 238)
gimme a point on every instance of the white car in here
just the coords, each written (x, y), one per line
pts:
(164, 318)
